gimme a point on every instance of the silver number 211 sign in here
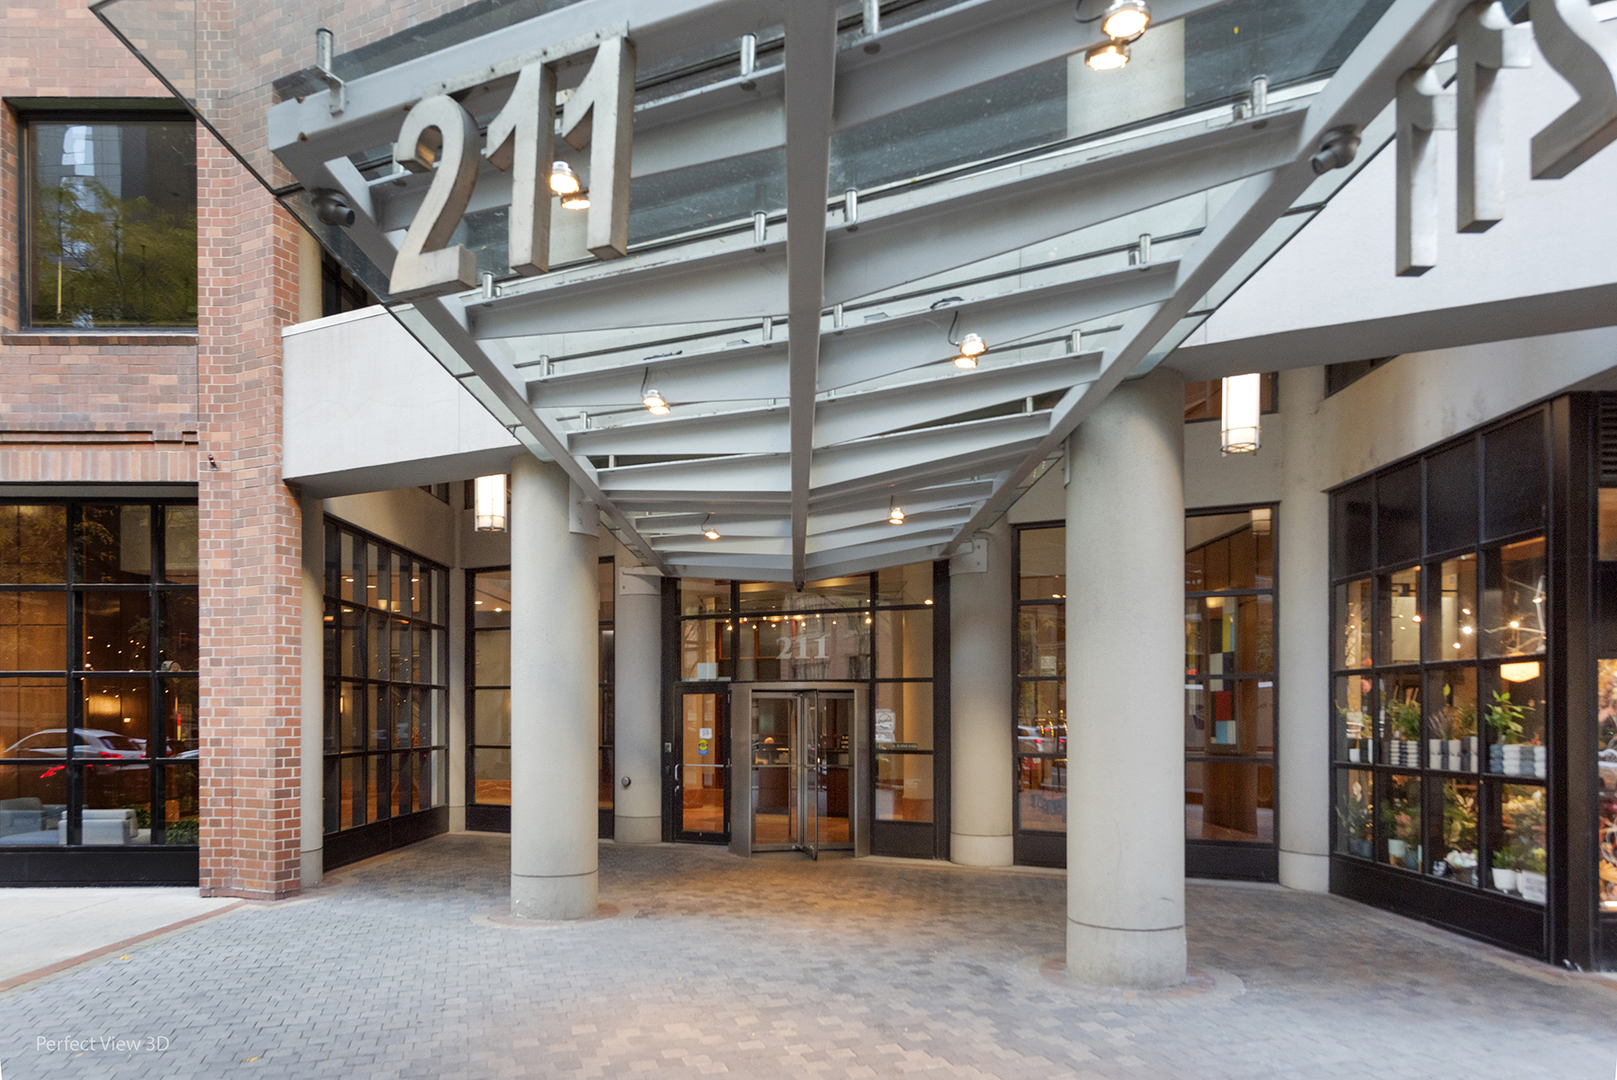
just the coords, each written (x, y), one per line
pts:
(440, 137)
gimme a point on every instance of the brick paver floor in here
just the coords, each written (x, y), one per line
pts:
(403, 967)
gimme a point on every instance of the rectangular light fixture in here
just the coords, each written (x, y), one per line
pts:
(490, 503)
(1243, 402)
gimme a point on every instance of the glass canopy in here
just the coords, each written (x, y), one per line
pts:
(973, 176)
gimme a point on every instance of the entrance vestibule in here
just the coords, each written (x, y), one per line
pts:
(801, 757)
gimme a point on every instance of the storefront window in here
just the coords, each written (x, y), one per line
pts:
(1230, 677)
(98, 675)
(1041, 691)
(387, 753)
(1456, 674)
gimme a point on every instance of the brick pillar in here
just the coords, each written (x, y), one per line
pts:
(251, 591)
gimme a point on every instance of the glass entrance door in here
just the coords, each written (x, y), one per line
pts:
(802, 770)
(701, 794)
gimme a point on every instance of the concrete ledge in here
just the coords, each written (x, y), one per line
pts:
(637, 830)
(981, 850)
(1308, 873)
(1126, 959)
(554, 898)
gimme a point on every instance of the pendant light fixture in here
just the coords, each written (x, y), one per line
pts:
(971, 347)
(1125, 20)
(1239, 419)
(563, 180)
(489, 503)
(654, 402)
(1108, 57)
(895, 512)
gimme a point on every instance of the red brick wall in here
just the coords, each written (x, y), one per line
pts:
(251, 540)
(100, 408)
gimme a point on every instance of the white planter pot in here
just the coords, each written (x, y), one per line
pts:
(1533, 886)
(1456, 762)
(1353, 754)
(1503, 880)
(1397, 849)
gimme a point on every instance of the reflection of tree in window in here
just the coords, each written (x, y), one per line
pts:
(115, 224)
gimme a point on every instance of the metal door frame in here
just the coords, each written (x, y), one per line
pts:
(673, 779)
(741, 758)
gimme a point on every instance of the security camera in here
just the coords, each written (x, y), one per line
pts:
(330, 208)
(1336, 150)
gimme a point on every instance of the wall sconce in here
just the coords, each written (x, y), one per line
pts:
(1243, 401)
(489, 502)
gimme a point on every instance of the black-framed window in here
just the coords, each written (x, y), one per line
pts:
(488, 713)
(1440, 634)
(387, 680)
(876, 628)
(1041, 679)
(1230, 677)
(488, 690)
(606, 771)
(98, 673)
(110, 213)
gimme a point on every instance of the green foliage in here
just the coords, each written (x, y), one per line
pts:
(1505, 718)
(105, 261)
(1504, 860)
(1404, 717)
(1459, 818)
(1535, 861)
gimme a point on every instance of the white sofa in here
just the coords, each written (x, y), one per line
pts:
(103, 827)
(28, 821)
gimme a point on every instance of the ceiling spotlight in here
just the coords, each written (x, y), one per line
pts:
(578, 200)
(966, 361)
(709, 531)
(563, 180)
(655, 403)
(1125, 20)
(895, 515)
(1108, 57)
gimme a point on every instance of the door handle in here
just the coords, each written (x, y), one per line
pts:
(676, 773)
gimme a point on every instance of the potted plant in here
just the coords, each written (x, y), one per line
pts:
(1355, 822)
(1503, 874)
(1462, 866)
(1504, 719)
(1531, 879)
(1403, 718)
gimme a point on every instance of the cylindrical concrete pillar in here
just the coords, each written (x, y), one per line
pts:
(637, 722)
(554, 707)
(1125, 689)
(981, 678)
(311, 751)
(1302, 532)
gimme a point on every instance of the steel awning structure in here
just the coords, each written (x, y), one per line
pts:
(807, 236)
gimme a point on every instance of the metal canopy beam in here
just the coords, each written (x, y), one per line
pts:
(811, 53)
(902, 237)
(1408, 33)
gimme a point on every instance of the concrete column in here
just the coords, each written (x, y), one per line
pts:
(637, 725)
(1302, 529)
(554, 598)
(311, 754)
(1125, 696)
(981, 678)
